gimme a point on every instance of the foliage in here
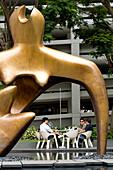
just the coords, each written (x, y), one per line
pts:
(28, 140)
(102, 40)
(1, 11)
(64, 13)
(54, 12)
(110, 135)
(94, 134)
(99, 33)
(2, 86)
(30, 133)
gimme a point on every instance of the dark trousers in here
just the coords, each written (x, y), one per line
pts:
(81, 140)
(58, 140)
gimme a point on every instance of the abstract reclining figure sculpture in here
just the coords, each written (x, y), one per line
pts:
(33, 68)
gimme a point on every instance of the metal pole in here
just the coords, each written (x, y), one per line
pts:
(60, 108)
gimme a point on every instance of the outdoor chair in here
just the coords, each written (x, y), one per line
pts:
(71, 135)
(46, 137)
(87, 139)
(38, 136)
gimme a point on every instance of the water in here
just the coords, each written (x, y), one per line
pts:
(59, 156)
(50, 155)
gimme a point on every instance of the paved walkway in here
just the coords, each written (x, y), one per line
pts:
(57, 164)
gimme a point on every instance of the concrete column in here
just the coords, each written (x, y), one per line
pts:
(75, 49)
(75, 103)
(75, 88)
(69, 106)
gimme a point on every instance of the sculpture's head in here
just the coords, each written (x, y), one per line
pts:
(27, 30)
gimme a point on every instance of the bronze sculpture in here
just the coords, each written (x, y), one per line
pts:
(11, 125)
(33, 68)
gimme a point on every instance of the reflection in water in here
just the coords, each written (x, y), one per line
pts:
(50, 155)
(59, 156)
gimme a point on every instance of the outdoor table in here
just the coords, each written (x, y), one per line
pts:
(64, 130)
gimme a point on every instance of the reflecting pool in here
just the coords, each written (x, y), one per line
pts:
(60, 157)
(50, 155)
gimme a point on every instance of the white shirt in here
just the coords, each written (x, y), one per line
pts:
(44, 127)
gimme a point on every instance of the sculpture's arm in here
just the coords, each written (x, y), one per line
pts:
(87, 74)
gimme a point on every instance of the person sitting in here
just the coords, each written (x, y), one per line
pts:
(82, 124)
(44, 127)
(88, 127)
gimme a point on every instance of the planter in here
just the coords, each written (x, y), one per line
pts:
(25, 145)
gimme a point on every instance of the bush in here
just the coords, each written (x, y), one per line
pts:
(30, 133)
(94, 134)
(110, 135)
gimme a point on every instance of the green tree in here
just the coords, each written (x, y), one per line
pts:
(100, 33)
(66, 13)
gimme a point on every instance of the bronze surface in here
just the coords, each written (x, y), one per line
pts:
(34, 68)
(11, 125)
